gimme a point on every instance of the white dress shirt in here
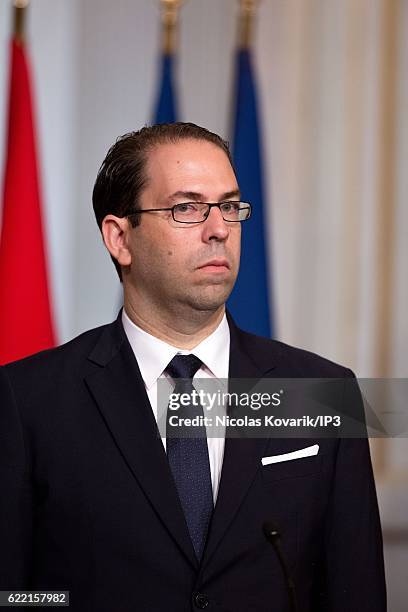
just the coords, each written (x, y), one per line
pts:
(154, 355)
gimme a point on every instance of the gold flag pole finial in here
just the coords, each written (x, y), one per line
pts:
(170, 10)
(246, 21)
(20, 7)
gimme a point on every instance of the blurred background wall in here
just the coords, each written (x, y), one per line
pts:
(333, 86)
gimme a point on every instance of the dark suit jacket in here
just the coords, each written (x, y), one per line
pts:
(88, 503)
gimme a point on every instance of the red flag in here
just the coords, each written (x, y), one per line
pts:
(25, 315)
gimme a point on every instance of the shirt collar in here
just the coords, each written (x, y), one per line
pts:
(153, 355)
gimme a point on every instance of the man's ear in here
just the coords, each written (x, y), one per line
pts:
(115, 232)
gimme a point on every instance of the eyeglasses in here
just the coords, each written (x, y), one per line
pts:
(197, 212)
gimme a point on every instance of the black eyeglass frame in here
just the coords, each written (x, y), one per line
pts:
(247, 206)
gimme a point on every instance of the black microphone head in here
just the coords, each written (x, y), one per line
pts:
(271, 532)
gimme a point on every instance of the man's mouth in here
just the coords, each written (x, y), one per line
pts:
(216, 265)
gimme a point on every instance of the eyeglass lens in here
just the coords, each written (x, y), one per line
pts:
(196, 212)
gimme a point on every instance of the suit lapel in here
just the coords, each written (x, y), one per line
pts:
(120, 394)
(241, 456)
(119, 391)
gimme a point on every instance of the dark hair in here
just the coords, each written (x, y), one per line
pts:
(122, 176)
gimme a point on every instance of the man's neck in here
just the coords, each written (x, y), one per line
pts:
(184, 332)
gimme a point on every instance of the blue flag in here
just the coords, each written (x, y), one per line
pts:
(249, 301)
(166, 105)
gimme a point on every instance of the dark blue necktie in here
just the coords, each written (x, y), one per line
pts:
(188, 456)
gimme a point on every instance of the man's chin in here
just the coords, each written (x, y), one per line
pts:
(211, 298)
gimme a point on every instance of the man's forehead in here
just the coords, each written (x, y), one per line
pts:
(185, 148)
(189, 167)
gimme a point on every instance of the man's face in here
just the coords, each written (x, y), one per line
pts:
(175, 265)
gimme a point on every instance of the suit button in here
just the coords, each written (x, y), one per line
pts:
(201, 601)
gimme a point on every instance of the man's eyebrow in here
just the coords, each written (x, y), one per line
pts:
(187, 196)
(194, 196)
(231, 195)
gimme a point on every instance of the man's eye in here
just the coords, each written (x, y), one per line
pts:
(185, 208)
(228, 207)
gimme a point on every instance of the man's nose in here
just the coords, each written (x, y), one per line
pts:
(214, 227)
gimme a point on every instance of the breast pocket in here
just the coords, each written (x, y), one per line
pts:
(295, 468)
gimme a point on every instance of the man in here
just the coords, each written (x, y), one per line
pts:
(96, 501)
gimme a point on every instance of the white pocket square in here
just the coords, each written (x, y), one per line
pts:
(309, 451)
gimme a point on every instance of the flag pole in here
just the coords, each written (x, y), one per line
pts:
(169, 13)
(20, 10)
(246, 23)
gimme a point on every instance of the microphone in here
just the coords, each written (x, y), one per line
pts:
(272, 534)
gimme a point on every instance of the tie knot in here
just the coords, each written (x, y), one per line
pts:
(183, 366)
